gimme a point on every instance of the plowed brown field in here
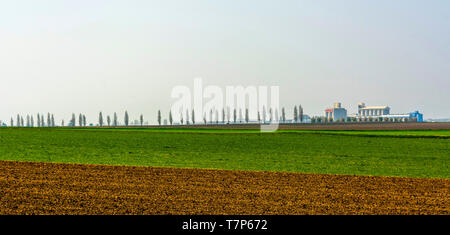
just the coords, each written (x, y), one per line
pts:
(49, 188)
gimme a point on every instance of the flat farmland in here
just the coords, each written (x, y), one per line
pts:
(421, 154)
(49, 188)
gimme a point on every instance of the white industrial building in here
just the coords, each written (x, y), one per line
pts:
(383, 112)
(371, 111)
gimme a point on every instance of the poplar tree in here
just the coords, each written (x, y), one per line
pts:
(271, 115)
(142, 119)
(283, 115)
(108, 119)
(247, 118)
(181, 118)
(193, 117)
(38, 120)
(73, 121)
(100, 119)
(159, 117)
(115, 123)
(80, 119)
(234, 115)
(210, 116)
(264, 114)
(295, 114)
(170, 118)
(126, 119)
(53, 121)
(223, 115)
(217, 116)
(240, 115)
(187, 117)
(32, 121)
(277, 118)
(300, 115)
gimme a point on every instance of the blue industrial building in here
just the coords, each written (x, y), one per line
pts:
(416, 115)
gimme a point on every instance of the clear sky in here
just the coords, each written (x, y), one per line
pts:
(88, 56)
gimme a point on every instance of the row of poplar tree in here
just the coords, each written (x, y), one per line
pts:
(49, 121)
(226, 116)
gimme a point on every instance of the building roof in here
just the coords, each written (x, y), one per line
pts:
(376, 107)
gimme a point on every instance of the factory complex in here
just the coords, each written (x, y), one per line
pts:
(370, 113)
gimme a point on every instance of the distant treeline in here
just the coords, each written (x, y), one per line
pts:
(185, 118)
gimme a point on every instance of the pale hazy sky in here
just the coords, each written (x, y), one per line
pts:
(90, 56)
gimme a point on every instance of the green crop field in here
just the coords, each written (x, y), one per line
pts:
(382, 153)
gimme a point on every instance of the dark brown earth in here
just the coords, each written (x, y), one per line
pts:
(49, 188)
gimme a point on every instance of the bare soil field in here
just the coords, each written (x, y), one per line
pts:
(49, 188)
